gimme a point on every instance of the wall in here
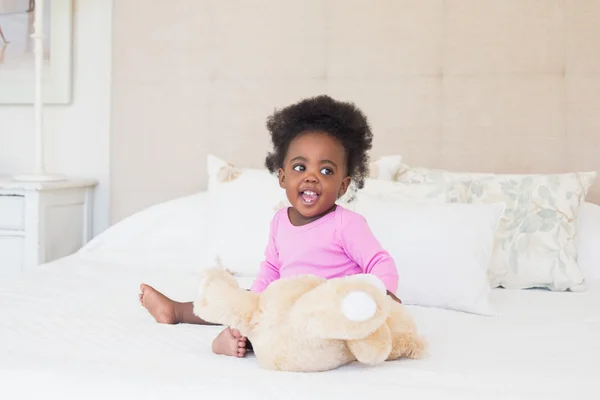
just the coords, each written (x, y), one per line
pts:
(77, 134)
(485, 85)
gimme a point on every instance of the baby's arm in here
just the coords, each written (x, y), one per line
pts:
(363, 247)
(268, 273)
(269, 268)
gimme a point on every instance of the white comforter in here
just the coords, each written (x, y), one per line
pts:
(74, 329)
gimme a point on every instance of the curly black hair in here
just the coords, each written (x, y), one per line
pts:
(341, 120)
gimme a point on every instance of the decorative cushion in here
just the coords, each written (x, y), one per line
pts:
(451, 192)
(536, 243)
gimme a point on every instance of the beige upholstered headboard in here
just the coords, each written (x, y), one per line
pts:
(461, 85)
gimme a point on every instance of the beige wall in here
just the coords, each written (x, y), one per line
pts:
(485, 85)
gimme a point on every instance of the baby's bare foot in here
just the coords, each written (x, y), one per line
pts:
(230, 343)
(158, 305)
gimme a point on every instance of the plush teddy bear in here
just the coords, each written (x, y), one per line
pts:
(308, 323)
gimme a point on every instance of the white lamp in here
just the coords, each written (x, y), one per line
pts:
(39, 174)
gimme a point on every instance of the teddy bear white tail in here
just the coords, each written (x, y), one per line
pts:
(358, 306)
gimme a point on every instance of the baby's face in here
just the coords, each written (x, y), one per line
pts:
(313, 175)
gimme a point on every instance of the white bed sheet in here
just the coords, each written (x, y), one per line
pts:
(75, 329)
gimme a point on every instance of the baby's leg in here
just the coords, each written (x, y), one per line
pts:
(230, 342)
(167, 311)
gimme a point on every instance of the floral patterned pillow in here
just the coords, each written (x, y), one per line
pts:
(536, 244)
(452, 192)
(410, 174)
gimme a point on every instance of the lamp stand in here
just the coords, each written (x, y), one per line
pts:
(39, 174)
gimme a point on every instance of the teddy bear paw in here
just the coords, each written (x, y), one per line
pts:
(211, 276)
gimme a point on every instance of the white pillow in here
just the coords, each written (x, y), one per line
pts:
(241, 210)
(588, 241)
(442, 251)
(385, 168)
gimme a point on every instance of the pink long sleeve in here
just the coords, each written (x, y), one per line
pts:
(363, 247)
(269, 268)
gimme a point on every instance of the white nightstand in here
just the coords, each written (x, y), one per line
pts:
(42, 221)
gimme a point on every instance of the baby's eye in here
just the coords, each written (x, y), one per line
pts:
(299, 168)
(326, 171)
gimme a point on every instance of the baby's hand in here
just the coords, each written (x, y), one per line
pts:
(393, 296)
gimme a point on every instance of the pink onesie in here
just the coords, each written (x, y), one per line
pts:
(337, 244)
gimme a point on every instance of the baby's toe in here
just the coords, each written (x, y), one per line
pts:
(241, 347)
(236, 333)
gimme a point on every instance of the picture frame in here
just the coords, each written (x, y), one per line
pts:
(17, 72)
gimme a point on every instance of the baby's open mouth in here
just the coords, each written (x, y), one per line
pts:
(308, 196)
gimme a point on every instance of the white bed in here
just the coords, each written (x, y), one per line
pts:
(74, 329)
